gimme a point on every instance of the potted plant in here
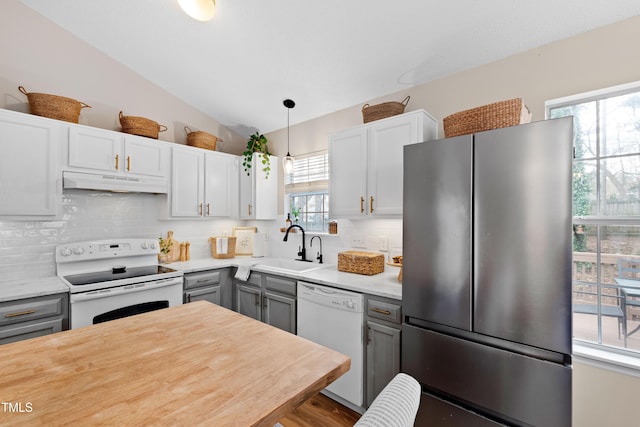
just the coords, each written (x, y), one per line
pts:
(164, 256)
(257, 144)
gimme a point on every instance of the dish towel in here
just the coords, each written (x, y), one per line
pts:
(222, 245)
(243, 272)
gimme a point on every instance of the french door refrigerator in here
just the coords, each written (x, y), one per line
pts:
(487, 276)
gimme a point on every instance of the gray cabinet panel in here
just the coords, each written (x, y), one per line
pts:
(215, 286)
(210, 293)
(280, 284)
(383, 357)
(280, 311)
(23, 331)
(248, 301)
(32, 308)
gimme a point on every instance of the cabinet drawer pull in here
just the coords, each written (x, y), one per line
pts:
(381, 311)
(371, 204)
(129, 164)
(117, 160)
(361, 204)
(19, 313)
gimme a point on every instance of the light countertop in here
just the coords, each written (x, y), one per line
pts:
(29, 288)
(384, 284)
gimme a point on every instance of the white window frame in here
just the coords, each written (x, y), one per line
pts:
(611, 358)
(304, 185)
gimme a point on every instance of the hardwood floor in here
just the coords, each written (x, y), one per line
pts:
(320, 411)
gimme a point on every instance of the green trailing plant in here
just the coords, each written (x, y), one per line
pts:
(257, 144)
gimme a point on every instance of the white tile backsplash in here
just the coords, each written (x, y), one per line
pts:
(27, 248)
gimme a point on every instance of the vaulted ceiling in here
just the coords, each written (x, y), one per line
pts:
(325, 55)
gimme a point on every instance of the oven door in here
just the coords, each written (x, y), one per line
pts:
(99, 306)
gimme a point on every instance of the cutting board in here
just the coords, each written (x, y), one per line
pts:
(174, 252)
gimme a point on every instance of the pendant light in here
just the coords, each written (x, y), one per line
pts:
(287, 161)
(201, 10)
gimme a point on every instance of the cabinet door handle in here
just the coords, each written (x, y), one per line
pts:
(257, 299)
(371, 204)
(381, 311)
(249, 209)
(368, 333)
(361, 204)
(200, 209)
(208, 209)
(128, 163)
(19, 313)
(117, 161)
(188, 297)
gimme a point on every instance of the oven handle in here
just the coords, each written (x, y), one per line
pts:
(126, 289)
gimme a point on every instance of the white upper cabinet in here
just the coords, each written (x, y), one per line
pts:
(30, 187)
(108, 151)
(204, 183)
(365, 173)
(258, 194)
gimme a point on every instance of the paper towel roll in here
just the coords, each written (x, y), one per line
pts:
(258, 245)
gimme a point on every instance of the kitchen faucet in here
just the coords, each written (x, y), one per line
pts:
(319, 258)
(302, 253)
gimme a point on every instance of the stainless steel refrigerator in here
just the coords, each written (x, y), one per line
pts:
(486, 289)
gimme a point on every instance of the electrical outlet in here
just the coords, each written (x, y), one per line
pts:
(358, 241)
(383, 244)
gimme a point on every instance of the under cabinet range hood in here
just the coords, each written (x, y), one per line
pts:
(115, 183)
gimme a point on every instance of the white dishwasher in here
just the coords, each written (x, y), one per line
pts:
(334, 318)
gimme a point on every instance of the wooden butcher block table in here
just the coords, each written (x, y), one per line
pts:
(195, 364)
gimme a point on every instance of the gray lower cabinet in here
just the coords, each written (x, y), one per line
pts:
(268, 298)
(33, 317)
(384, 318)
(212, 285)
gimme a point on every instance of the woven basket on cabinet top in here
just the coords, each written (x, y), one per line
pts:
(384, 110)
(53, 106)
(201, 139)
(492, 116)
(140, 126)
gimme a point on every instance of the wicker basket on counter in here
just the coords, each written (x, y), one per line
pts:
(53, 106)
(231, 247)
(140, 126)
(492, 116)
(201, 139)
(359, 262)
(384, 110)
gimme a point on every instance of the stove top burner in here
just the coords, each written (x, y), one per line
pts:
(116, 273)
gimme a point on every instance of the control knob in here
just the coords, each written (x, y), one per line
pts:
(145, 245)
(78, 250)
(65, 251)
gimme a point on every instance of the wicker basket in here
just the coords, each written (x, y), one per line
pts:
(201, 139)
(368, 263)
(54, 107)
(492, 116)
(231, 247)
(140, 126)
(384, 110)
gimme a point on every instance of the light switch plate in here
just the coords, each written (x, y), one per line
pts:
(358, 241)
(383, 244)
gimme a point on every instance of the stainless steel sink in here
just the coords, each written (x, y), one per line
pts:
(287, 265)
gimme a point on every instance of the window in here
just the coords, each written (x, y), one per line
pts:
(307, 191)
(606, 216)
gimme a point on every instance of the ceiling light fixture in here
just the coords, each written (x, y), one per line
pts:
(202, 10)
(287, 162)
